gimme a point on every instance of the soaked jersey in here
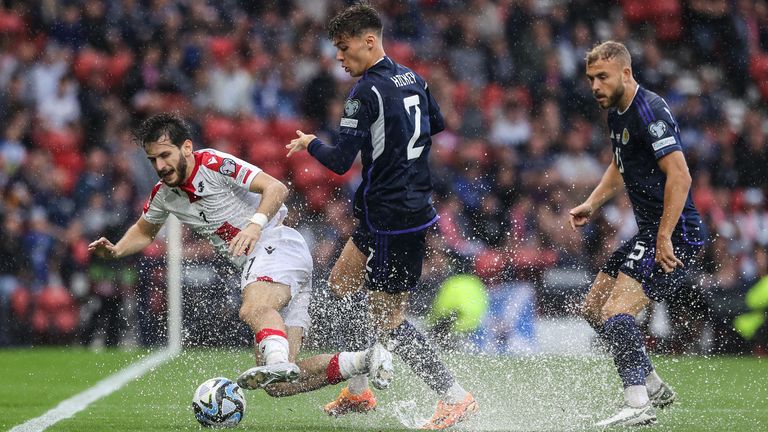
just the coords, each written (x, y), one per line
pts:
(641, 135)
(389, 117)
(215, 201)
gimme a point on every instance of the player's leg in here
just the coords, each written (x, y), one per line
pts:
(347, 277)
(348, 273)
(598, 294)
(259, 309)
(276, 274)
(324, 369)
(627, 299)
(394, 267)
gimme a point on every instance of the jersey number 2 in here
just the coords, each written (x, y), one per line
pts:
(413, 101)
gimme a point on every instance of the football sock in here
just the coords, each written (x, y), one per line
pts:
(455, 394)
(352, 363)
(636, 396)
(358, 384)
(408, 343)
(273, 346)
(628, 349)
(653, 382)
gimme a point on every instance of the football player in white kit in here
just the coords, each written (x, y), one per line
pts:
(239, 209)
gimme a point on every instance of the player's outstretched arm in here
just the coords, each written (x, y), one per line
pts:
(139, 235)
(609, 185)
(675, 193)
(338, 158)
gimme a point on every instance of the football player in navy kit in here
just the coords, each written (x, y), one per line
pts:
(389, 118)
(648, 162)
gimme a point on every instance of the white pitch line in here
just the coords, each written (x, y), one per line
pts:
(105, 387)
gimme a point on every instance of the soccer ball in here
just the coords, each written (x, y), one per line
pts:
(218, 402)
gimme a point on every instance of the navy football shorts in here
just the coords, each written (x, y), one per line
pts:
(394, 260)
(635, 258)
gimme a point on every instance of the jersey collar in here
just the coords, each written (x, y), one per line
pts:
(188, 186)
(637, 90)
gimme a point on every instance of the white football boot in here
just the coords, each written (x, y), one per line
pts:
(629, 416)
(663, 397)
(261, 376)
(380, 368)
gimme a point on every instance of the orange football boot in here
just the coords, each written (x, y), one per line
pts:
(347, 402)
(447, 415)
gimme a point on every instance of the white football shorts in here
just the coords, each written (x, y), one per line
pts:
(282, 256)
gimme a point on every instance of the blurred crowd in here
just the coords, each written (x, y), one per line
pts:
(524, 143)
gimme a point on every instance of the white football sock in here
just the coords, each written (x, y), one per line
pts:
(636, 396)
(352, 363)
(274, 348)
(358, 384)
(455, 394)
(653, 382)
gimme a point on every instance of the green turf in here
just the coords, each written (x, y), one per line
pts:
(533, 393)
(35, 380)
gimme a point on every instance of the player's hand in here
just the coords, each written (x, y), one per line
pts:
(103, 248)
(665, 254)
(300, 143)
(245, 240)
(579, 215)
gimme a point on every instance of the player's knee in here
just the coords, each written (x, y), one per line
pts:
(611, 309)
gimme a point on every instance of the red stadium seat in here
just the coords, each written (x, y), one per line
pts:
(117, 67)
(636, 11)
(401, 52)
(221, 48)
(310, 174)
(21, 299)
(11, 23)
(284, 129)
(264, 151)
(217, 128)
(251, 129)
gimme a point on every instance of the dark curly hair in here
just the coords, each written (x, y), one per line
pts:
(160, 125)
(353, 20)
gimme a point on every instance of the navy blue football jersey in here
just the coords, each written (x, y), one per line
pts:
(389, 117)
(640, 136)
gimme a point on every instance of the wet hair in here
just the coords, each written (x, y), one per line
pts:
(609, 50)
(353, 21)
(160, 125)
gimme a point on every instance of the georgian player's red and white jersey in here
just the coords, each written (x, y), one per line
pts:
(215, 201)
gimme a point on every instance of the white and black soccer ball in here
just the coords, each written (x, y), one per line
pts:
(218, 402)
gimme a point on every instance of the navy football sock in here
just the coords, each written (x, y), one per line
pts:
(628, 349)
(418, 354)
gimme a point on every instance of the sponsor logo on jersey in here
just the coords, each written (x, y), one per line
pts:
(269, 249)
(625, 137)
(227, 167)
(351, 107)
(200, 186)
(658, 128)
(348, 122)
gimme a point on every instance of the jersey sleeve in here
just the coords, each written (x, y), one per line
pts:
(154, 210)
(231, 169)
(360, 111)
(661, 130)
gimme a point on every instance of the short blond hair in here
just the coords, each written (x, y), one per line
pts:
(609, 50)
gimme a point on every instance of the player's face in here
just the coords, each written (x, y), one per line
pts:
(168, 161)
(606, 78)
(353, 52)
